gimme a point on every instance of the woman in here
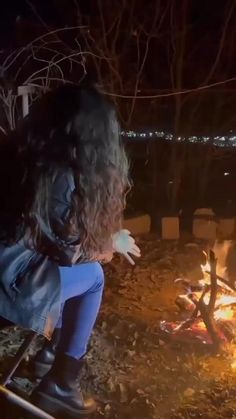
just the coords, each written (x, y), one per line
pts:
(67, 177)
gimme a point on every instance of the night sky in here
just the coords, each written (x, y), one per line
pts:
(51, 11)
(23, 20)
(207, 15)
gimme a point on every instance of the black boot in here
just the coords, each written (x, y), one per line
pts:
(59, 394)
(44, 359)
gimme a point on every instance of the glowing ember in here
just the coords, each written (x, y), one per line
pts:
(201, 325)
(233, 363)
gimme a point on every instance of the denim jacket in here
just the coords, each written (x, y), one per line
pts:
(29, 278)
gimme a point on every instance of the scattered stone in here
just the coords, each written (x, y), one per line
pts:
(123, 393)
(189, 392)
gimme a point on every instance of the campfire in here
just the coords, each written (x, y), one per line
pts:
(210, 308)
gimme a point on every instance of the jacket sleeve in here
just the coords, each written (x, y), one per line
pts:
(61, 207)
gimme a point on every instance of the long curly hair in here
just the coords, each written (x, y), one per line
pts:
(73, 127)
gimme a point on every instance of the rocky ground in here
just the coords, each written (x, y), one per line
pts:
(133, 370)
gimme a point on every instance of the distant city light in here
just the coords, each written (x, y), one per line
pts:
(226, 174)
(219, 141)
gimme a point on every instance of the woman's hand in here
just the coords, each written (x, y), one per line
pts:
(124, 244)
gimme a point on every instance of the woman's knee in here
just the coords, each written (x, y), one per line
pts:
(98, 276)
(81, 279)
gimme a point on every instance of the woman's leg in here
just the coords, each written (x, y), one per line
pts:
(81, 292)
(82, 288)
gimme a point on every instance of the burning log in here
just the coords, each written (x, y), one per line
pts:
(188, 323)
(208, 318)
(207, 310)
(213, 294)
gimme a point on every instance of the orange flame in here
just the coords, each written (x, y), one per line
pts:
(222, 300)
(224, 314)
(233, 363)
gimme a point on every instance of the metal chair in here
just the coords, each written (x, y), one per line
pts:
(8, 394)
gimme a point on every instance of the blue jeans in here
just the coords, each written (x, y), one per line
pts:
(81, 293)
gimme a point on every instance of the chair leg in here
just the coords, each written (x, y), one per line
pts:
(9, 395)
(17, 358)
(18, 401)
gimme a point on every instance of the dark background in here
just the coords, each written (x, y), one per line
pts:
(190, 43)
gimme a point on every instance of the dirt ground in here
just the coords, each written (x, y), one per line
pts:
(133, 371)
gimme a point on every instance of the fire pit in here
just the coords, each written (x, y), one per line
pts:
(210, 307)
